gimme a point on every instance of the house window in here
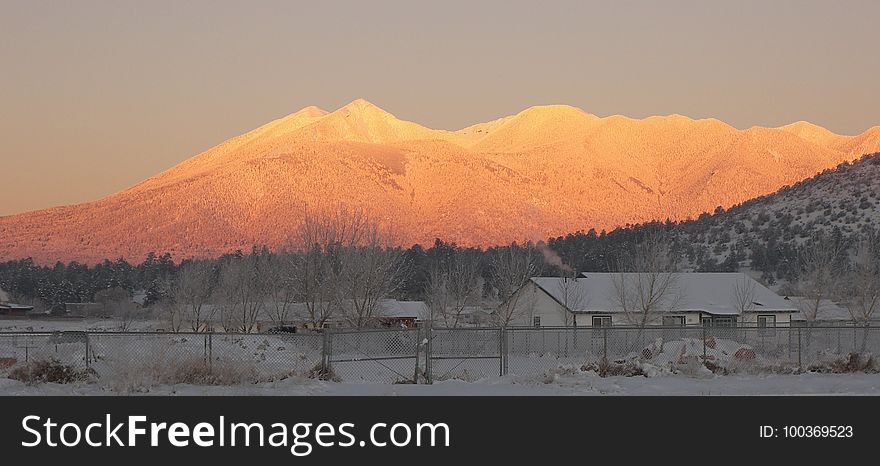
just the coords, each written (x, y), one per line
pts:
(601, 321)
(766, 321)
(673, 321)
(766, 325)
(723, 321)
(536, 321)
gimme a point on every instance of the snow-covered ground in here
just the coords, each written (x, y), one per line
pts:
(573, 384)
(367, 363)
(91, 324)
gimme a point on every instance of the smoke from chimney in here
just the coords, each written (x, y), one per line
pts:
(551, 258)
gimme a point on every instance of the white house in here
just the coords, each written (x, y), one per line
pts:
(597, 299)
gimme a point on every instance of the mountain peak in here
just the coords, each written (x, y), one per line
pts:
(554, 111)
(362, 105)
(311, 112)
(360, 102)
(535, 126)
(362, 121)
(810, 132)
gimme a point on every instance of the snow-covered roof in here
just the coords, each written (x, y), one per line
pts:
(386, 308)
(139, 297)
(712, 293)
(828, 311)
(403, 309)
(15, 307)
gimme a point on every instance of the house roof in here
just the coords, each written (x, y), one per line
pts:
(393, 308)
(15, 307)
(712, 293)
(8, 306)
(828, 311)
(139, 297)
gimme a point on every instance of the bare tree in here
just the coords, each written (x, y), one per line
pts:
(819, 274)
(281, 287)
(436, 293)
(117, 302)
(646, 285)
(863, 290)
(172, 314)
(453, 285)
(316, 285)
(191, 295)
(367, 273)
(511, 267)
(743, 295)
(341, 226)
(573, 295)
(319, 250)
(243, 291)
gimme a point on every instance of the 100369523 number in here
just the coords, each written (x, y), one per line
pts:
(807, 431)
(817, 431)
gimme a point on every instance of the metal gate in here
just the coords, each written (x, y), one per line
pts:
(379, 356)
(464, 353)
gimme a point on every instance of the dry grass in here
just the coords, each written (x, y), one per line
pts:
(851, 363)
(50, 371)
(629, 368)
(161, 366)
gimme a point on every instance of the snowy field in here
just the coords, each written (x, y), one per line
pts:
(75, 325)
(583, 384)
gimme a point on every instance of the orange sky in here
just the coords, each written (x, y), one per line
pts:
(96, 96)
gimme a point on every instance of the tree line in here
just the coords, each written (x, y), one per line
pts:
(340, 266)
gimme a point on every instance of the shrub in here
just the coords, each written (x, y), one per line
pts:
(853, 362)
(50, 371)
(615, 368)
(140, 379)
(322, 373)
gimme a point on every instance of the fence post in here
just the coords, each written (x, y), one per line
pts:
(210, 352)
(326, 352)
(429, 368)
(605, 345)
(502, 350)
(418, 343)
(704, 342)
(88, 356)
(854, 350)
(800, 362)
(506, 350)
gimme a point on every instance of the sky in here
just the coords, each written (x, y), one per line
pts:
(96, 96)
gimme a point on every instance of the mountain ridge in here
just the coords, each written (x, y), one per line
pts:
(545, 171)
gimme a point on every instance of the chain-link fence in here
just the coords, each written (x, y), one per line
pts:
(465, 353)
(388, 356)
(142, 359)
(427, 355)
